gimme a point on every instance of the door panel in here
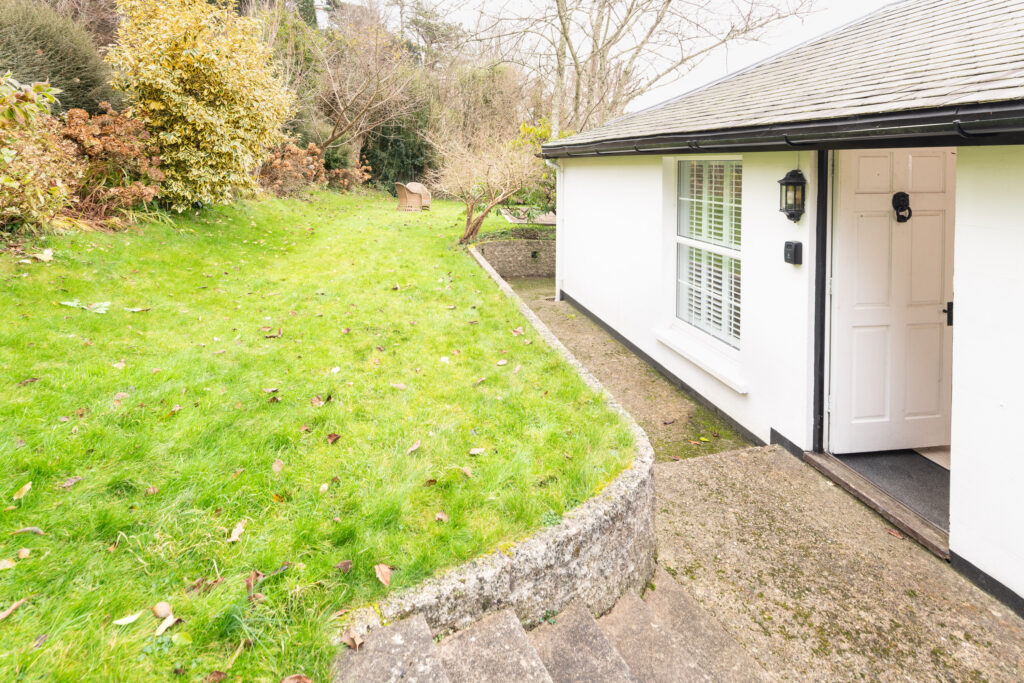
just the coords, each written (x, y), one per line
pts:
(890, 383)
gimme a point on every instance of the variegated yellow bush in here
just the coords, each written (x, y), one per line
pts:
(204, 81)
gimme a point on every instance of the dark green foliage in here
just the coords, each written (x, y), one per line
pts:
(38, 44)
(307, 10)
(398, 152)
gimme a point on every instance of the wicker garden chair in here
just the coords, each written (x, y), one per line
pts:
(412, 197)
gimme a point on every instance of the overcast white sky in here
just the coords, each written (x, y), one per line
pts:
(829, 14)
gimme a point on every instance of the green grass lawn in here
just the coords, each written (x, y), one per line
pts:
(202, 411)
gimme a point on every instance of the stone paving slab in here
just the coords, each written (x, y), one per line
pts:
(815, 585)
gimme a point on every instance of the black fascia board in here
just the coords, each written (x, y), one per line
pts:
(978, 124)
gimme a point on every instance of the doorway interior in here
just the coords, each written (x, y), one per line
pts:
(889, 395)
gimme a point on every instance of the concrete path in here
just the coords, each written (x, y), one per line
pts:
(810, 582)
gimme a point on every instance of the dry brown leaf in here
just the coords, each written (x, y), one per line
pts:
(46, 256)
(162, 610)
(121, 395)
(894, 532)
(332, 437)
(130, 619)
(278, 465)
(119, 364)
(296, 678)
(7, 563)
(271, 390)
(352, 639)
(345, 566)
(430, 482)
(215, 677)
(236, 533)
(10, 610)
(503, 361)
(23, 553)
(383, 573)
(237, 472)
(518, 368)
(398, 385)
(316, 401)
(20, 493)
(274, 399)
(440, 517)
(468, 472)
(517, 331)
(152, 491)
(305, 429)
(166, 624)
(29, 530)
(276, 335)
(324, 487)
(30, 380)
(477, 451)
(414, 447)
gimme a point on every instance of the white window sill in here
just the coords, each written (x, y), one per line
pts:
(700, 349)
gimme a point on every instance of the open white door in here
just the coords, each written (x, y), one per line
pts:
(891, 345)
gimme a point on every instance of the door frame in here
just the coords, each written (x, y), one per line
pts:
(825, 222)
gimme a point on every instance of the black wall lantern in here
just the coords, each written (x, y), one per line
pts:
(792, 193)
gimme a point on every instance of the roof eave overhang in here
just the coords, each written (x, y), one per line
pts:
(976, 124)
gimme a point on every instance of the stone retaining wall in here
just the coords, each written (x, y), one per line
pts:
(520, 258)
(596, 553)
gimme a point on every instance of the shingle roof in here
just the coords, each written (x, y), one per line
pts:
(916, 54)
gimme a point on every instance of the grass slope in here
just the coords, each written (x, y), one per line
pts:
(165, 416)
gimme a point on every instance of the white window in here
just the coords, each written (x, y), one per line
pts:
(708, 247)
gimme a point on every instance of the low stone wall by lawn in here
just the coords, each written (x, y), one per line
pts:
(520, 258)
(598, 551)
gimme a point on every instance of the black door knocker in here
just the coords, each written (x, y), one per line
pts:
(901, 203)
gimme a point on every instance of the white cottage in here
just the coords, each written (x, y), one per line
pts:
(829, 326)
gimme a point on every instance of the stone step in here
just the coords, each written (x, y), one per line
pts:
(653, 651)
(707, 642)
(575, 650)
(402, 651)
(493, 649)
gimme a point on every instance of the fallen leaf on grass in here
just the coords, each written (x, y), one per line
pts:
(414, 447)
(297, 678)
(352, 639)
(503, 361)
(440, 517)
(46, 256)
(398, 385)
(383, 573)
(237, 472)
(38, 642)
(236, 533)
(274, 399)
(23, 553)
(29, 530)
(894, 532)
(7, 563)
(272, 390)
(477, 451)
(152, 491)
(517, 331)
(20, 493)
(278, 465)
(332, 437)
(136, 310)
(162, 610)
(276, 335)
(130, 619)
(215, 677)
(430, 482)
(28, 381)
(324, 487)
(10, 610)
(345, 566)
(166, 624)
(118, 365)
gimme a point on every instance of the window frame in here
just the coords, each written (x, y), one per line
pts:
(734, 306)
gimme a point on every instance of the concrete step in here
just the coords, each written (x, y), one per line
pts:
(653, 651)
(575, 650)
(707, 642)
(493, 649)
(403, 651)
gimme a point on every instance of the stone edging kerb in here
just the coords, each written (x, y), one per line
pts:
(598, 551)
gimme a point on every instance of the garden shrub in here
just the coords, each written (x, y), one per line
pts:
(121, 163)
(290, 169)
(39, 170)
(344, 179)
(203, 80)
(39, 44)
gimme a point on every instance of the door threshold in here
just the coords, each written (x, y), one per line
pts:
(902, 517)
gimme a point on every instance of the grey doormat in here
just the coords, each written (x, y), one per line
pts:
(910, 478)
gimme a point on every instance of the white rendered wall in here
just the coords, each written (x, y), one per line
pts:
(617, 258)
(987, 462)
